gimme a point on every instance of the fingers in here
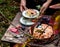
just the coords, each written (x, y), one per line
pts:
(25, 8)
(42, 10)
(56, 6)
(22, 8)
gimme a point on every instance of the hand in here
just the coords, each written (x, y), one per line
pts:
(43, 8)
(23, 5)
(56, 6)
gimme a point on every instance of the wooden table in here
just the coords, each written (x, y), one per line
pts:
(7, 36)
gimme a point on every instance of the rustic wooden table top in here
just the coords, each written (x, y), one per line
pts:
(8, 37)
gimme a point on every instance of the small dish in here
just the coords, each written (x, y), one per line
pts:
(25, 21)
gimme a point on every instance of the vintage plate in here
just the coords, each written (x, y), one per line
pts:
(46, 31)
(24, 14)
(25, 21)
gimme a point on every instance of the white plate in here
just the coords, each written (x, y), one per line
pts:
(24, 14)
(26, 21)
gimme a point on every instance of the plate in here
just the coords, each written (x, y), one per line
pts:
(25, 21)
(35, 16)
(44, 31)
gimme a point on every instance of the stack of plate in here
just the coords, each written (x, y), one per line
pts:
(27, 20)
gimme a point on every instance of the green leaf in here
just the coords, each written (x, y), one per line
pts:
(38, 6)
